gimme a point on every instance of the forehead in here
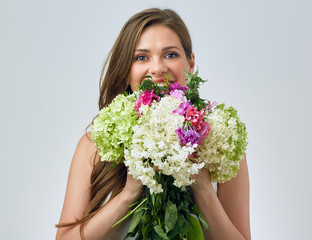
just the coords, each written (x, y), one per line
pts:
(158, 36)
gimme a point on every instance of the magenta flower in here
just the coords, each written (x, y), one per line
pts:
(185, 89)
(182, 108)
(174, 86)
(177, 86)
(188, 136)
(145, 98)
(178, 94)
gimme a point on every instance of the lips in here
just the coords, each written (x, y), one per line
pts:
(161, 80)
(158, 80)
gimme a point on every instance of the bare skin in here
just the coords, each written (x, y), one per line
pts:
(226, 214)
(76, 198)
(158, 53)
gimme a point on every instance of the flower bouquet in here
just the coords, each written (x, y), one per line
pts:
(157, 132)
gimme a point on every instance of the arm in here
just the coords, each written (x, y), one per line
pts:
(227, 214)
(77, 198)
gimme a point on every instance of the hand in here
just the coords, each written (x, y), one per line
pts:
(202, 181)
(133, 188)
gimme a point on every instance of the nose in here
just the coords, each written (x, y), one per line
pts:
(157, 68)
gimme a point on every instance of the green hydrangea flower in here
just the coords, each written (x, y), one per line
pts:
(225, 146)
(112, 128)
(240, 141)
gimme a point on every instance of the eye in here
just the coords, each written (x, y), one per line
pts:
(171, 55)
(140, 58)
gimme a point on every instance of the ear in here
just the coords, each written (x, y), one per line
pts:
(192, 63)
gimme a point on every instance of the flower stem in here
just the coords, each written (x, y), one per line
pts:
(130, 213)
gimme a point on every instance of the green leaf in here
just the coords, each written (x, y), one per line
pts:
(200, 217)
(161, 232)
(147, 84)
(139, 237)
(145, 230)
(171, 216)
(158, 203)
(196, 231)
(153, 199)
(146, 217)
(203, 222)
(186, 227)
(177, 228)
(155, 236)
(135, 221)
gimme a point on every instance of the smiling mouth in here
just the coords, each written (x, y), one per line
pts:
(158, 80)
(162, 81)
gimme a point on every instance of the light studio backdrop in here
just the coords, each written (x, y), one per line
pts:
(256, 56)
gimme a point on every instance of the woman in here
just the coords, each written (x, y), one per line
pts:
(157, 43)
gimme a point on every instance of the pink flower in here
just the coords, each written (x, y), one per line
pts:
(145, 98)
(195, 117)
(182, 108)
(197, 120)
(204, 130)
(178, 94)
(138, 103)
(210, 106)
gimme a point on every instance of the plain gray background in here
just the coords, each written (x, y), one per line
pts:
(255, 54)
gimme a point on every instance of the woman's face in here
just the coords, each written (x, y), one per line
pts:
(158, 53)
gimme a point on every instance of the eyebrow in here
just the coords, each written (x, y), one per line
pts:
(164, 49)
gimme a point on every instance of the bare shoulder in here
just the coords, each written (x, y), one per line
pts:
(86, 142)
(241, 181)
(86, 149)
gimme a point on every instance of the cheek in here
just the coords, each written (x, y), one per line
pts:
(136, 74)
(179, 73)
(137, 71)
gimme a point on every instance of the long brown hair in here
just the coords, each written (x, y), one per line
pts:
(115, 80)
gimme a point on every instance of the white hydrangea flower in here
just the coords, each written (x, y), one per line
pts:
(154, 138)
(218, 148)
